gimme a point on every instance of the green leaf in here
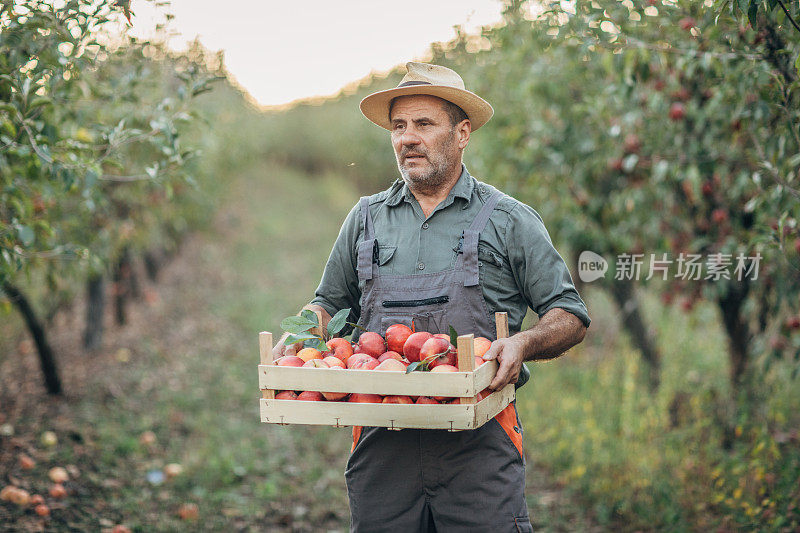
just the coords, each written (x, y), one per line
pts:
(752, 11)
(338, 321)
(297, 324)
(302, 337)
(412, 367)
(453, 336)
(311, 315)
(38, 102)
(319, 345)
(26, 235)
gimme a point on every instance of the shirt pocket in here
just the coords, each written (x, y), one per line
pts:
(496, 277)
(385, 255)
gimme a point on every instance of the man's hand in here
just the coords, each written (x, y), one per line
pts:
(509, 353)
(280, 350)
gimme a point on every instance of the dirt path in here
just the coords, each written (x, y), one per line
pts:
(184, 369)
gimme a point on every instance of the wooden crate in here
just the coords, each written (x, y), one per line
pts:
(465, 384)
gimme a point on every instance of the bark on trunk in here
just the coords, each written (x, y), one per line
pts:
(731, 305)
(152, 264)
(633, 322)
(121, 288)
(47, 360)
(95, 309)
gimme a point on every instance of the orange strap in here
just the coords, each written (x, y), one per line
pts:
(508, 419)
(356, 436)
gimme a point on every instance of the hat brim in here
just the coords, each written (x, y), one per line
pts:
(376, 106)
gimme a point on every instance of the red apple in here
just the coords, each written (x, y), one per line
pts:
(484, 393)
(392, 365)
(356, 357)
(396, 336)
(340, 348)
(310, 396)
(390, 355)
(316, 363)
(437, 345)
(397, 399)
(677, 111)
(426, 399)
(289, 360)
(306, 354)
(358, 397)
(333, 361)
(444, 336)
(372, 343)
(286, 395)
(479, 361)
(414, 343)
(365, 363)
(482, 345)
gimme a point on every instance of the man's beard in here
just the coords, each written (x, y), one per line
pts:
(438, 174)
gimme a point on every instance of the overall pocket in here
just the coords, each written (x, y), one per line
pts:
(413, 312)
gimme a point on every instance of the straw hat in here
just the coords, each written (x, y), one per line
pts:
(435, 80)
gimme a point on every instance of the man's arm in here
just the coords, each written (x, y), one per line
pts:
(555, 333)
(545, 283)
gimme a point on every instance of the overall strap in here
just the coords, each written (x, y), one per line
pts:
(368, 246)
(471, 237)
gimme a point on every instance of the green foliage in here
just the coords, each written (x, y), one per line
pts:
(93, 157)
(298, 327)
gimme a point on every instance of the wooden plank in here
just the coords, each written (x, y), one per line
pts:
(265, 349)
(448, 384)
(488, 408)
(466, 361)
(485, 373)
(451, 416)
(501, 321)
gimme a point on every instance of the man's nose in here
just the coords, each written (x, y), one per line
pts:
(409, 138)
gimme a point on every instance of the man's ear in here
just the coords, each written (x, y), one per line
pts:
(463, 130)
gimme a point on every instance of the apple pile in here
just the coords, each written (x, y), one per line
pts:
(395, 353)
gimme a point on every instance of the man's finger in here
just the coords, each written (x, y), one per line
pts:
(494, 350)
(502, 378)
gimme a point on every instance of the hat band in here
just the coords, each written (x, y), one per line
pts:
(409, 83)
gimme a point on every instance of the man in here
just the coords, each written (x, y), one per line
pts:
(445, 249)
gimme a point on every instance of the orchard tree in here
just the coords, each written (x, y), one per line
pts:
(70, 137)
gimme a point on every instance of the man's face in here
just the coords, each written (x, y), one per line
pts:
(425, 143)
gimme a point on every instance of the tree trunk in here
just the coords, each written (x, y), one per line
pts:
(633, 322)
(133, 279)
(121, 287)
(731, 304)
(152, 264)
(47, 360)
(95, 308)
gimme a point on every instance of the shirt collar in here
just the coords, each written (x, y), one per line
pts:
(462, 189)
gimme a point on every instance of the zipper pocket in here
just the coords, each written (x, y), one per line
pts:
(416, 303)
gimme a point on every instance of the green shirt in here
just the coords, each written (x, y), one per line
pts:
(518, 265)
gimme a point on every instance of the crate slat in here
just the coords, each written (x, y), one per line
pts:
(455, 384)
(451, 416)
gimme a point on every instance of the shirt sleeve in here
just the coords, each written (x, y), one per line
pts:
(338, 289)
(540, 272)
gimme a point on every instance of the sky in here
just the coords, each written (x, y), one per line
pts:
(281, 51)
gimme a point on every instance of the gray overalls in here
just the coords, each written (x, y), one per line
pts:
(434, 480)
